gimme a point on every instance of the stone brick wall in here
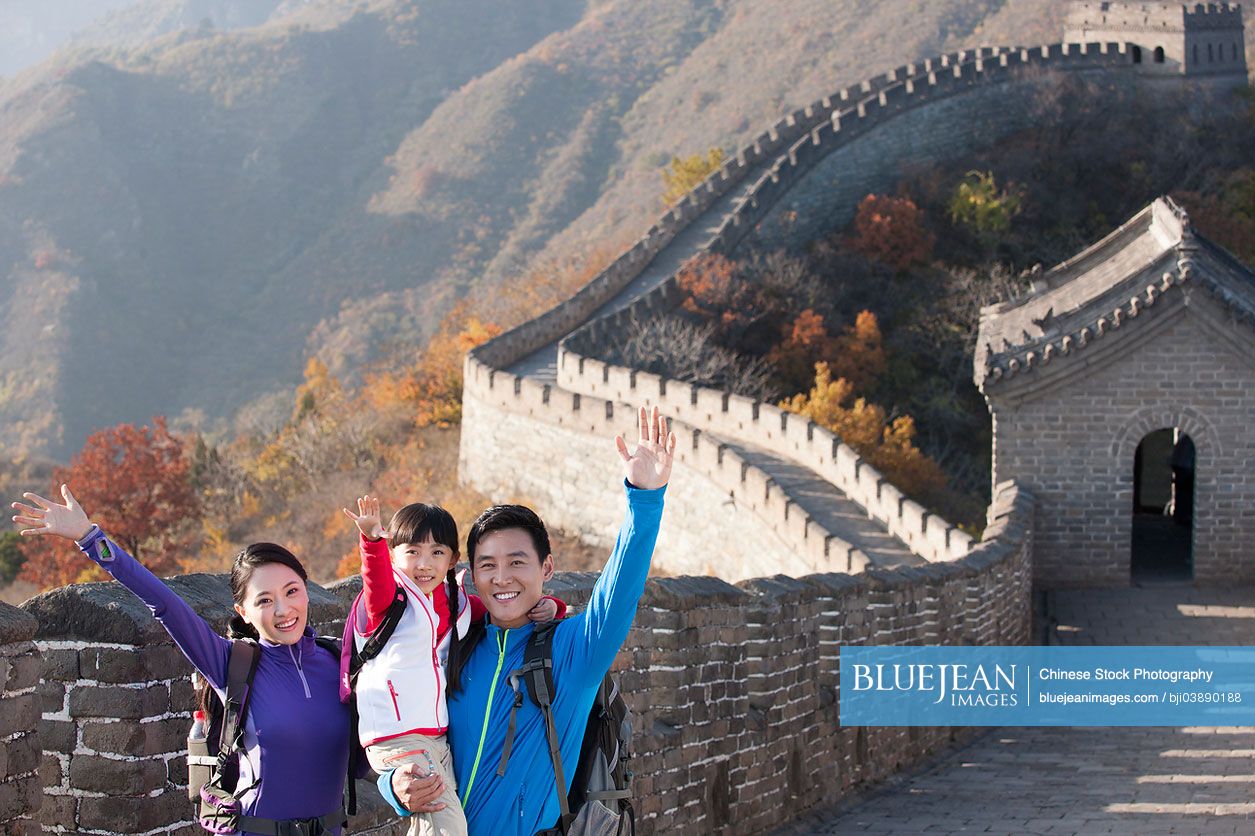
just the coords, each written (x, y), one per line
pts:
(954, 99)
(728, 518)
(1203, 370)
(19, 722)
(1213, 29)
(768, 427)
(734, 688)
(115, 700)
(573, 312)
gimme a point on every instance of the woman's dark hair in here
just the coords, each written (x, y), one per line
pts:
(418, 523)
(496, 518)
(246, 562)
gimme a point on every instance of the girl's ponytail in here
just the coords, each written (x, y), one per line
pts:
(451, 581)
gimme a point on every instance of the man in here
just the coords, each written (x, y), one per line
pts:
(508, 550)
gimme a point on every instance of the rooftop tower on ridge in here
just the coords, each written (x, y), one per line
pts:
(1198, 40)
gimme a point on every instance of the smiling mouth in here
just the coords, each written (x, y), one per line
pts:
(425, 578)
(286, 625)
(505, 596)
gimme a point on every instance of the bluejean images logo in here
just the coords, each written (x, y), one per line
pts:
(960, 684)
(1047, 686)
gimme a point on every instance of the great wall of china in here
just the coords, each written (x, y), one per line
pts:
(734, 687)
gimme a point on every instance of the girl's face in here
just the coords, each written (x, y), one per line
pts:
(276, 603)
(426, 563)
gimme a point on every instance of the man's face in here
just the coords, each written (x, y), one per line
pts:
(509, 575)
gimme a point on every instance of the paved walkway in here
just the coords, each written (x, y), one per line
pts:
(829, 507)
(1087, 780)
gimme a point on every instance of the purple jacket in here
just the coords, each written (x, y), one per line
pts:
(297, 733)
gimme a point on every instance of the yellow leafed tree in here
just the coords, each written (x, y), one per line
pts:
(888, 446)
(687, 172)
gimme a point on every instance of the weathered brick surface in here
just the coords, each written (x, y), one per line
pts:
(1183, 376)
(733, 688)
(20, 747)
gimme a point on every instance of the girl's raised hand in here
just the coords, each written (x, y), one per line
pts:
(48, 517)
(367, 518)
(649, 466)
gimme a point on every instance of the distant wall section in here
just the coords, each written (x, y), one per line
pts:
(966, 119)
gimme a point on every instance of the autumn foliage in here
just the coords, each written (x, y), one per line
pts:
(431, 387)
(888, 445)
(857, 354)
(134, 482)
(891, 230)
(687, 172)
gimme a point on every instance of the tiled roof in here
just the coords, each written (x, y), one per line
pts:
(1105, 287)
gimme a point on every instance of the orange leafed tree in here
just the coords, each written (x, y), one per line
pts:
(134, 482)
(888, 446)
(432, 387)
(891, 230)
(708, 281)
(858, 354)
(806, 341)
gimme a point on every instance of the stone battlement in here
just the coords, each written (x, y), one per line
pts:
(502, 406)
(731, 416)
(570, 313)
(734, 689)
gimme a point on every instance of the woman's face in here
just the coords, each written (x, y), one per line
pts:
(275, 603)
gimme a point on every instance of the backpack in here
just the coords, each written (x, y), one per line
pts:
(214, 746)
(373, 644)
(600, 800)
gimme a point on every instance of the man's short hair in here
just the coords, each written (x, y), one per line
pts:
(501, 517)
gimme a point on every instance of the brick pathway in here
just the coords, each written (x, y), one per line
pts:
(1086, 780)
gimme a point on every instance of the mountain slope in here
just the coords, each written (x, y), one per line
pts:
(183, 222)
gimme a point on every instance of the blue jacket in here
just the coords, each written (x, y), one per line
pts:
(297, 732)
(524, 799)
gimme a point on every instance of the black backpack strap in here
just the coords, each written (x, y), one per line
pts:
(537, 674)
(241, 668)
(375, 641)
(333, 646)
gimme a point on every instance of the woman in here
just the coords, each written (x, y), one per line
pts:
(297, 731)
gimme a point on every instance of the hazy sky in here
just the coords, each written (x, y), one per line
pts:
(31, 29)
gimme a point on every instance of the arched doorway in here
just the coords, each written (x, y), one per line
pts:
(1163, 507)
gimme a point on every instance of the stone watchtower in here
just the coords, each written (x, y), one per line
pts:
(1122, 391)
(1197, 40)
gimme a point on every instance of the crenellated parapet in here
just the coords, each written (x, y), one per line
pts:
(735, 417)
(976, 95)
(111, 697)
(734, 689)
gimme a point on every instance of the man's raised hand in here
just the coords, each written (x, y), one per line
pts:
(649, 466)
(47, 517)
(367, 518)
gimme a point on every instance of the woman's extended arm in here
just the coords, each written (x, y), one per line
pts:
(204, 648)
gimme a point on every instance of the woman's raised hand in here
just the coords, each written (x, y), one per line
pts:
(48, 517)
(367, 518)
(649, 467)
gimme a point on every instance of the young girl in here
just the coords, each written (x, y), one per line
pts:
(295, 774)
(401, 691)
